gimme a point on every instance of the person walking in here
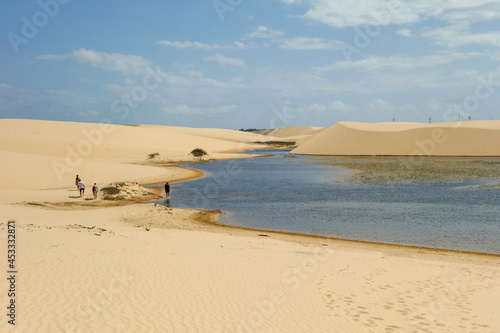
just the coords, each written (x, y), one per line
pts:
(95, 189)
(76, 182)
(81, 187)
(167, 190)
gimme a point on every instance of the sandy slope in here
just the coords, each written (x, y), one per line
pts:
(294, 131)
(467, 138)
(146, 268)
(48, 154)
(299, 134)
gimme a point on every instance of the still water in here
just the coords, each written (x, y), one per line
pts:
(295, 195)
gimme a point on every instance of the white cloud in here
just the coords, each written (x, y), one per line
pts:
(3, 85)
(340, 107)
(186, 110)
(335, 107)
(458, 35)
(382, 12)
(399, 62)
(223, 61)
(108, 61)
(404, 32)
(202, 46)
(239, 45)
(191, 45)
(113, 61)
(53, 57)
(310, 43)
(380, 105)
(264, 32)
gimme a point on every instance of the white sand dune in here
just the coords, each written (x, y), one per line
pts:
(294, 131)
(115, 142)
(298, 134)
(48, 154)
(467, 138)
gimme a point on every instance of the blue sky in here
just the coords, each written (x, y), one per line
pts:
(250, 64)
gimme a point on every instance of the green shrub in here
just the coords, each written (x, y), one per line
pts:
(110, 191)
(198, 152)
(153, 155)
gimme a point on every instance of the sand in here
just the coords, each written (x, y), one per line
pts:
(148, 268)
(465, 138)
(296, 134)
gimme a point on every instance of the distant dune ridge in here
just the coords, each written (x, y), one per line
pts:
(465, 138)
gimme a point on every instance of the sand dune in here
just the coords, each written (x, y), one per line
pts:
(293, 131)
(115, 142)
(48, 154)
(298, 134)
(467, 138)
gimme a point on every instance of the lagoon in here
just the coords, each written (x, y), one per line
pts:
(312, 195)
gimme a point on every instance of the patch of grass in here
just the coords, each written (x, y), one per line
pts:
(276, 143)
(110, 191)
(34, 204)
(153, 155)
(198, 152)
(114, 198)
(414, 169)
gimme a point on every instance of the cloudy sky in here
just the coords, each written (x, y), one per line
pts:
(250, 63)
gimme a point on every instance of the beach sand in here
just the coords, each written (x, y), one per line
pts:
(147, 268)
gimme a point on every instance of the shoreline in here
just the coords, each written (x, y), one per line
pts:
(286, 235)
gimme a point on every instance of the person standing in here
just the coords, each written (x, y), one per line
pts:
(167, 190)
(76, 182)
(81, 187)
(95, 189)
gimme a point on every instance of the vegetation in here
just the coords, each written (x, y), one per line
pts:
(276, 143)
(250, 129)
(111, 193)
(198, 152)
(414, 169)
(153, 155)
(110, 190)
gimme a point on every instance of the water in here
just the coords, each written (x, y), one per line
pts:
(292, 194)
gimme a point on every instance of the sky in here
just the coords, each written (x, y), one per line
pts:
(250, 63)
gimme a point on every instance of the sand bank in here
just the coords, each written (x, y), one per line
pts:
(145, 267)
